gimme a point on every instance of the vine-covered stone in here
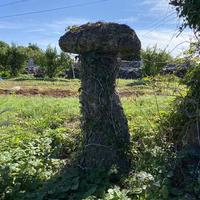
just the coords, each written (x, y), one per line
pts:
(110, 38)
(104, 125)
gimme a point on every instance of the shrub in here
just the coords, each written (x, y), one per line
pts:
(182, 127)
(5, 74)
(154, 60)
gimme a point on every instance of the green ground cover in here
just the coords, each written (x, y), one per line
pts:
(40, 137)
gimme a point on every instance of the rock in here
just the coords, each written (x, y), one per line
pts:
(110, 38)
(15, 89)
(130, 69)
(10, 90)
(179, 70)
(104, 125)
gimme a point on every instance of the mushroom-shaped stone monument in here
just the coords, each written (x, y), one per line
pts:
(104, 125)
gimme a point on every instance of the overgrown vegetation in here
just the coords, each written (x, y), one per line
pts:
(182, 124)
(182, 128)
(154, 60)
(40, 140)
(189, 11)
(14, 60)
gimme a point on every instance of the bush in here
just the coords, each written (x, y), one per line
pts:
(5, 74)
(182, 127)
(16, 59)
(154, 60)
(189, 11)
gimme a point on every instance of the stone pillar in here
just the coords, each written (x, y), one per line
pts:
(104, 125)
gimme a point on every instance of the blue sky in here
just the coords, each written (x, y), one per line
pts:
(154, 21)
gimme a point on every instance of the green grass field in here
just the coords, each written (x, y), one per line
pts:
(40, 135)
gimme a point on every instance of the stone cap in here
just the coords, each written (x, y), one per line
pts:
(100, 37)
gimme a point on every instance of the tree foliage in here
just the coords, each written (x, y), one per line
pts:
(189, 10)
(34, 52)
(64, 61)
(14, 60)
(154, 60)
(4, 48)
(51, 62)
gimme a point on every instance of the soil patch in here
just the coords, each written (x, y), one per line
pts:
(65, 93)
(131, 93)
(35, 92)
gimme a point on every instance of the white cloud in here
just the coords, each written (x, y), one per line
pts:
(43, 43)
(56, 27)
(43, 34)
(6, 26)
(128, 20)
(163, 38)
(166, 39)
(155, 34)
(157, 5)
(35, 30)
(54, 30)
(59, 25)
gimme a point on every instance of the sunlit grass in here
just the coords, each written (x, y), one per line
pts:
(39, 135)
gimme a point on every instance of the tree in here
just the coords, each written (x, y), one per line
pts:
(16, 59)
(65, 62)
(154, 60)
(4, 48)
(34, 47)
(184, 120)
(37, 54)
(188, 10)
(51, 62)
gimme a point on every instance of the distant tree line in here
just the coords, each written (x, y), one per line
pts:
(14, 60)
(158, 61)
(50, 63)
